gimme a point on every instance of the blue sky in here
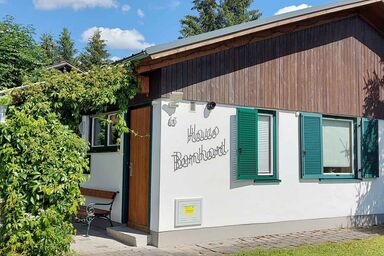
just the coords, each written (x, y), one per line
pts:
(127, 25)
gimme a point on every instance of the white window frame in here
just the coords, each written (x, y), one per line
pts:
(108, 132)
(352, 137)
(271, 143)
(93, 134)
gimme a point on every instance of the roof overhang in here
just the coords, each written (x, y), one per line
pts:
(196, 46)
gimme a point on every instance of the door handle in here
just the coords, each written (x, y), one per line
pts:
(130, 169)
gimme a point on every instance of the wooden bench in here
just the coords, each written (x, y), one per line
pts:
(87, 213)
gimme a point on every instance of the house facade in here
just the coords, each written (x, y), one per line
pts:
(271, 126)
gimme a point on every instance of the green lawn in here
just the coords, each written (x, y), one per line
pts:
(371, 247)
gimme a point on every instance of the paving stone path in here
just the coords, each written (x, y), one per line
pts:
(99, 244)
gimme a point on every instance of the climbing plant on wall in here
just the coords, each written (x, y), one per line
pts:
(42, 156)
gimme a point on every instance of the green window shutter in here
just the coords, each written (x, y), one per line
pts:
(311, 146)
(369, 148)
(247, 144)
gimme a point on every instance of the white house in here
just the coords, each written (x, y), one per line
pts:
(271, 126)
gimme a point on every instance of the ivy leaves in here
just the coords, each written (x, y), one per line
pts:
(42, 157)
(41, 166)
(74, 94)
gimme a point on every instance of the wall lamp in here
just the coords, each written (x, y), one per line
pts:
(211, 105)
(175, 98)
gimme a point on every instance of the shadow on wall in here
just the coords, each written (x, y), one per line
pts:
(370, 200)
(374, 101)
(370, 194)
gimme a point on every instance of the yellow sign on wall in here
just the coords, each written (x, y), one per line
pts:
(188, 212)
(189, 209)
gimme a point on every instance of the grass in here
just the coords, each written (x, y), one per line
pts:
(371, 247)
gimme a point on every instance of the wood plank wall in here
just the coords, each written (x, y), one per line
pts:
(324, 69)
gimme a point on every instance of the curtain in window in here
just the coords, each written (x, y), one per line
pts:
(264, 145)
(336, 143)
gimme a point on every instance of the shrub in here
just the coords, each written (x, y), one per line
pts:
(41, 166)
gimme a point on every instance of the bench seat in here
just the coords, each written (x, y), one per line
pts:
(87, 213)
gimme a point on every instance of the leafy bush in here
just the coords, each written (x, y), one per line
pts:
(42, 156)
(41, 166)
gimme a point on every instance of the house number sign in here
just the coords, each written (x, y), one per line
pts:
(203, 153)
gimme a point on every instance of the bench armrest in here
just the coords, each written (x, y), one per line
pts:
(90, 209)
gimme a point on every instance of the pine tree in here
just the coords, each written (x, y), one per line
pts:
(66, 47)
(214, 15)
(206, 21)
(233, 12)
(95, 53)
(49, 48)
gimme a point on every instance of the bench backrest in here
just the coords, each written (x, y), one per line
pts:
(98, 193)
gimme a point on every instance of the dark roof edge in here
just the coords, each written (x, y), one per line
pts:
(245, 26)
(134, 57)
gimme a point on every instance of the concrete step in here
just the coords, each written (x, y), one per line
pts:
(129, 236)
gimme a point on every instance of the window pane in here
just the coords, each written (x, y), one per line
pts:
(113, 134)
(337, 146)
(264, 145)
(98, 133)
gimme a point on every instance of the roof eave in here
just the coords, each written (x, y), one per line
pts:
(194, 42)
(134, 57)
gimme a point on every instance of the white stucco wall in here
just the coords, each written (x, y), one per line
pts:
(155, 166)
(230, 202)
(106, 173)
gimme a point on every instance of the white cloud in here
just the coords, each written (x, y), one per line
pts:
(74, 4)
(125, 8)
(115, 58)
(117, 38)
(166, 5)
(174, 4)
(140, 13)
(292, 8)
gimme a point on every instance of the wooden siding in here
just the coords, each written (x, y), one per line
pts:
(333, 68)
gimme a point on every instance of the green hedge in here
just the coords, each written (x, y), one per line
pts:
(41, 166)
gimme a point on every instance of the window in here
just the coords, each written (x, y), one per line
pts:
(256, 157)
(337, 146)
(265, 144)
(98, 133)
(104, 136)
(112, 131)
(329, 147)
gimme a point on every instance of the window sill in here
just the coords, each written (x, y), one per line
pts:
(339, 180)
(268, 181)
(104, 149)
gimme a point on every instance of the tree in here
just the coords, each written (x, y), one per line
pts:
(66, 47)
(19, 53)
(233, 12)
(206, 21)
(213, 15)
(49, 48)
(95, 53)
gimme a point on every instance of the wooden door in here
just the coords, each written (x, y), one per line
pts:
(138, 204)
